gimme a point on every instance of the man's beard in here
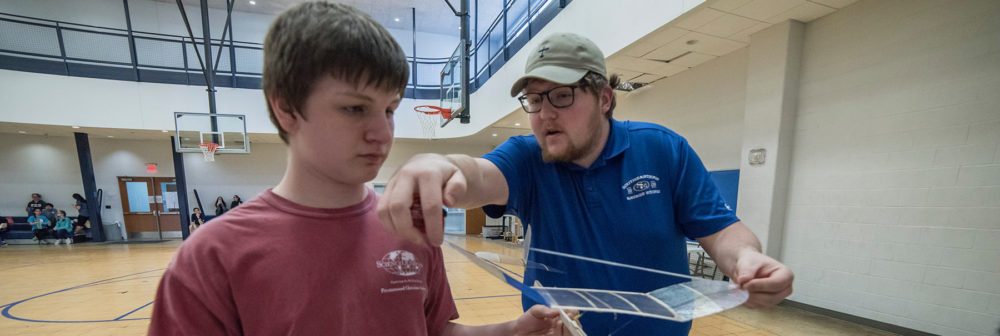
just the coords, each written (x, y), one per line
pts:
(574, 152)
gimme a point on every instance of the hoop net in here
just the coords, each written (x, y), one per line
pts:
(428, 116)
(208, 150)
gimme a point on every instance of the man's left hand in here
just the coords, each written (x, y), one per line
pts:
(767, 280)
(540, 321)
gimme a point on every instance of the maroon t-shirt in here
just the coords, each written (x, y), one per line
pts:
(273, 267)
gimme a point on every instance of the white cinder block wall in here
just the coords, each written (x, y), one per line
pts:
(894, 211)
(894, 197)
(704, 104)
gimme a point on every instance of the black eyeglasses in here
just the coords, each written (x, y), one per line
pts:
(559, 97)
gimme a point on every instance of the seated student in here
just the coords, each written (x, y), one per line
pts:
(49, 211)
(220, 206)
(82, 215)
(39, 226)
(35, 203)
(332, 80)
(236, 202)
(63, 229)
(196, 220)
(3, 232)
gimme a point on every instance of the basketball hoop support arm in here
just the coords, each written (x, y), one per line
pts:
(463, 115)
(206, 65)
(463, 16)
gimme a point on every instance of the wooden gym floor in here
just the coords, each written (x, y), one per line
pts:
(108, 289)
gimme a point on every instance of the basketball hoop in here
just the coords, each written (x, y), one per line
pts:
(208, 150)
(428, 118)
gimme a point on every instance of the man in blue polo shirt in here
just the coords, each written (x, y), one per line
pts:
(589, 185)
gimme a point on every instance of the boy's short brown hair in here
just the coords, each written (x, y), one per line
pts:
(316, 39)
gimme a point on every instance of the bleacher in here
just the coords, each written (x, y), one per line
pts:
(19, 232)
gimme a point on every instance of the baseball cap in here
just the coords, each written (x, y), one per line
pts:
(561, 58)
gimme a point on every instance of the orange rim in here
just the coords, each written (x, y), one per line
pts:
(208, 145)
(431, 109)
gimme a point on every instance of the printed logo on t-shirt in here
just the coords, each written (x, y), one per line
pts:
(400, 262)
(640, 186)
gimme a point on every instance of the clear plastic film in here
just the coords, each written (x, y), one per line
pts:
(682, 298)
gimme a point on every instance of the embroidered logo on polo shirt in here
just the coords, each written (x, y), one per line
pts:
(400, 262)
(640, 186)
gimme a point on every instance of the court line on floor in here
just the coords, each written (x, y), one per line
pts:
(137, 309)
(504, 268)
(5, 312)
(111, 282)
(487, 297)
(492, 263)
(6, 308)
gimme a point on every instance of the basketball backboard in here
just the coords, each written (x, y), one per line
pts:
(453, 87)
(227, 130)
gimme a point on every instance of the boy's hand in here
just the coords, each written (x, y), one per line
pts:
(435, 181)
(540, 320)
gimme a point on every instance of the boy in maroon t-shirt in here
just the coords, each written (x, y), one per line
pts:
(309, 256)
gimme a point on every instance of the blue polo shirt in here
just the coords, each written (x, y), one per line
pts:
(635, 204)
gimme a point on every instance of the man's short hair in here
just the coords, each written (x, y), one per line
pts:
(317, 39)
(594, 83)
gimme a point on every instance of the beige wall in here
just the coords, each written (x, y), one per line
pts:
(895, 185)
(894, 190)
(703, 104)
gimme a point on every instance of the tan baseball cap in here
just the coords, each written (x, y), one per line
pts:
(561, 58)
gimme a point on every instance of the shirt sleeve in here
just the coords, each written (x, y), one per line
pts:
(194, 297)
(512, 159)
(439, 307)
(700, 209)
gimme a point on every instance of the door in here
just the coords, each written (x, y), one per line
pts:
(168, 210)
(475, 220)
(150, 207)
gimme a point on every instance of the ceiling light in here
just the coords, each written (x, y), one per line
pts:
(111, 136)
(253, 3)
(396, 19)
(517, 124)
(494, 134)
(75, 126)
(22, 132)
(629, 86)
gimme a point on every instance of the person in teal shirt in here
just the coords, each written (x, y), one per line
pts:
(39, 225)
(64, 228)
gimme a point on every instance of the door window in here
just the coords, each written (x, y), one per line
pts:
(138, 196)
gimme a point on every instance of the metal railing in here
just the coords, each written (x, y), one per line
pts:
(73, 49)
(57, 47)
(516, 24)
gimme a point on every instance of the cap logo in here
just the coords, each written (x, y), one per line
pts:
(541, 52)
